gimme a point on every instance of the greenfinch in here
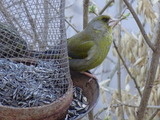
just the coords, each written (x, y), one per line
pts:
(90, 47)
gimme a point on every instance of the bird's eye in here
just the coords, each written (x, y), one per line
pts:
(105, 19)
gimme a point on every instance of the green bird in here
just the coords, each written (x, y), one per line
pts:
(90, 47)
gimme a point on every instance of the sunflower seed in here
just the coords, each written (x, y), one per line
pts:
(79, 104)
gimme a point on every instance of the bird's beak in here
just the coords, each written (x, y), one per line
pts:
(113, 22)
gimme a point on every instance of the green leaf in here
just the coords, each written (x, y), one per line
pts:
(92, 9)
(126, 16)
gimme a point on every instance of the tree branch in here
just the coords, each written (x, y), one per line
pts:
(31, 22)
(153, 115)
(106, 6)
(6, 14)
(85, 22)
(119, 6)
(46, 24)
(135, 106)
(90, 115)
(135, 82)
(100, 111)
(112, 73)
(71, 26)
(139, 25)
(128, 105)
(151, 74)
(85, 13)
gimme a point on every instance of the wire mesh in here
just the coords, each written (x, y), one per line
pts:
(33, 43)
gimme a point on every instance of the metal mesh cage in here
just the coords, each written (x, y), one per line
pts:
(33, 51)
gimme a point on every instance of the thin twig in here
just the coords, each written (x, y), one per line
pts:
(85, 13)
(71, 26)
(21, 28)
(11, 19)
(65, 19)
(106, 6)
(151, 74)
(70, 5)
(135, 82)
(135, 106)
(100, 112)
(95, 13)
(128, 105)
(113, 72)
(13, 4)
(31, 21)
(139, 25)
(46, 23)
(6, 14)
(110, 59)
(121, 15)
(153, 115)
(121, 111)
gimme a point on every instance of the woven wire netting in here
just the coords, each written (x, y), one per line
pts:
(33, 50)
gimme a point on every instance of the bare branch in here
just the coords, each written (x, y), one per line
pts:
(101, 111)
(139, 25)
(110, 59)
(14, 4)
(151, 74)
(11, 19)
(90, 115)
(31, 21)
(6, 14)
(71, 26)
(135, 82)
(135, 106)
(128, 105)
(153, 115)
(65, 19)
(106, 6)
(85, 13)
(119, 6)
(85, 22)
(113, 72)
(46, 22)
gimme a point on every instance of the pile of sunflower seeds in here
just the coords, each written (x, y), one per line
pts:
(30, 86)
(79, 105)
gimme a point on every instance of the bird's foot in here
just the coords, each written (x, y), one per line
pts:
(89, 75)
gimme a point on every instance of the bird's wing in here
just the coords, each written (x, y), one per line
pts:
(89, 62)
(79, 45)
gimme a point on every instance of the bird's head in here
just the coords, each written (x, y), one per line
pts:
(102, 22)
